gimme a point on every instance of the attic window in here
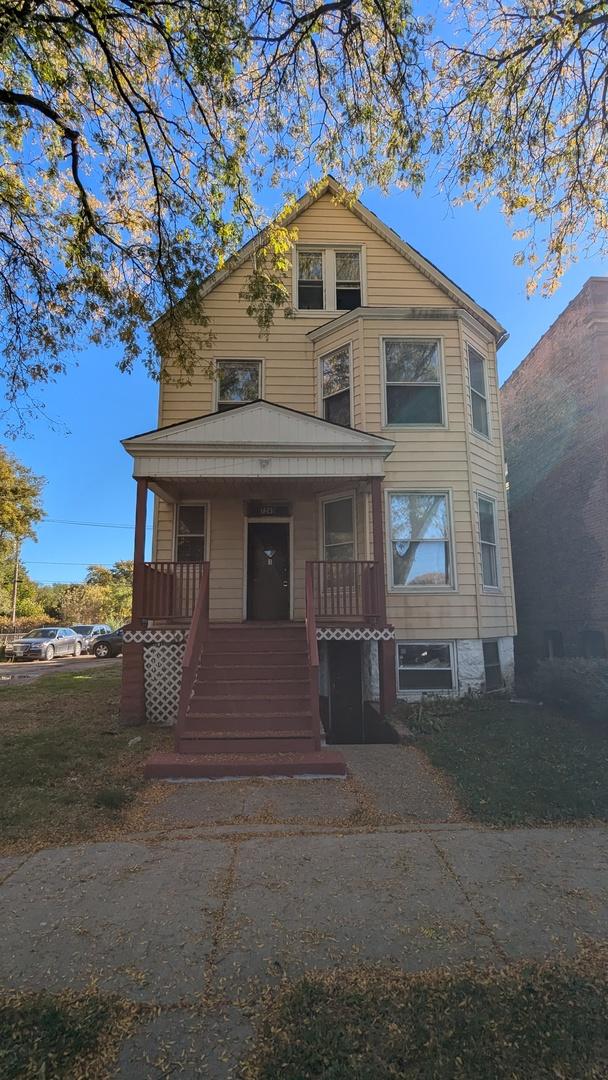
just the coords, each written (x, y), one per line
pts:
(328, 279)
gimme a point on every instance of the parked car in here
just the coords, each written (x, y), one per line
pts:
(47, 642)
(108, 645)
(89, 634)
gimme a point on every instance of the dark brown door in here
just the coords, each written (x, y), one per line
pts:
(345, 693)
(267, 570)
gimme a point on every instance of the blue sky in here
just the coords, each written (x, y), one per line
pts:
(94, 406)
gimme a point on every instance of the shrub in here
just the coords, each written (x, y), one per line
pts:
(575, 686)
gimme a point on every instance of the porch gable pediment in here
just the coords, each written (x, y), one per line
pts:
(256, 427)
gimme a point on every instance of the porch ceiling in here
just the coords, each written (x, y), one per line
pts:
(179, 490)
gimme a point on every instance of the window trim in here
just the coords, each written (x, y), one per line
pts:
(493, 500)
(419, 692)
(329, 278)
(337, 496)
(321, 412)
(444, 425)
(479, 434)
(452, 587)
(235, 360)
(207, 537)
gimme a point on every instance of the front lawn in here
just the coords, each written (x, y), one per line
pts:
(527, 1021)
(517, 764)
(61, 1037)
(67, 771)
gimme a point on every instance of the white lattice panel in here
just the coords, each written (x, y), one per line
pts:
(162, 681)
(354, 633)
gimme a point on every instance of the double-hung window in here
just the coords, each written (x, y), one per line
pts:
(328, 279)
(238, 382)
(338, 529)
(424, 666)
(335, 386)
(190, 534)
(479, 393)
(487, 539)
(412, 374)
(420, 539)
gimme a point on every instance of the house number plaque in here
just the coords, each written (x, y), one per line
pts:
(271, 509)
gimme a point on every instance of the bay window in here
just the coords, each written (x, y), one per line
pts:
(335, 388)
(487, 539)
(420, 553)
(479, 394)
(412, 372)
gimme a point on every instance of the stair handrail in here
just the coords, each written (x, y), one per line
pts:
(197, 636)
(313, 652)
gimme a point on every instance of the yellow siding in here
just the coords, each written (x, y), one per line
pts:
(450, 458)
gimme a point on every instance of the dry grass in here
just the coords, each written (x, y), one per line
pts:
(69, 771)
(526, 1021)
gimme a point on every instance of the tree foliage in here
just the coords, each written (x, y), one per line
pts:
(134, 134)
(20, 501)
(522, 99)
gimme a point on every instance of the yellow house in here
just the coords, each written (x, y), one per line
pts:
(330, 525)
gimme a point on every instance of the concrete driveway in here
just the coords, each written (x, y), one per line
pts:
(17, 672)
(191, 921)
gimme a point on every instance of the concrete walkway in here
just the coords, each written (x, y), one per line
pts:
(193, 921)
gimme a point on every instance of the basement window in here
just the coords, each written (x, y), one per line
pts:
(425, 665)
(593, 644)
(491, 663)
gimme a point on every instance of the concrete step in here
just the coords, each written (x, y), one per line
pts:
(314, 763)
(245, 742)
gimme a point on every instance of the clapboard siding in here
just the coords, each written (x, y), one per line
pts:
(450, 458)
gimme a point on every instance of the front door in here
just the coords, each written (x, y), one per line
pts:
(267, 570)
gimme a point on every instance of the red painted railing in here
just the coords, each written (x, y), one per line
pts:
(169, 590)
(197, 636)
(313, 652)
(345, 590)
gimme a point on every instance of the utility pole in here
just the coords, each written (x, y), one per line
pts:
(15, 580)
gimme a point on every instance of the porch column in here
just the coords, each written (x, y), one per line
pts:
(386, 649)
(132, 697)
(137, 609)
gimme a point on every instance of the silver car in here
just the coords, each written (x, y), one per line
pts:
(46, 643)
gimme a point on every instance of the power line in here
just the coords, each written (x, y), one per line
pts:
(66, 562)
(92, 524)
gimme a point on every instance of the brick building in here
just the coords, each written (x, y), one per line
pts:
(555, 415)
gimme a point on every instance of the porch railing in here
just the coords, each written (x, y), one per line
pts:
(199, 632)
(313, 652)
(345, 590)
(170, 589)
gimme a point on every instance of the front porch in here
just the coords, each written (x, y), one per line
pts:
(242, 620)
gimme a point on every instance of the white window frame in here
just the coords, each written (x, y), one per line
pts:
(452, 586)
(490, 499)
(346, 345)
(204, 504)
(234, 360)
(485, 398)
(337, 496)
(421, 691)
(329, 277)
(383, 383)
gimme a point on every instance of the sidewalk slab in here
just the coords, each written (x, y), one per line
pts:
(538, 889)
(324, 900)
(187, 1044)
(402, 783)
(138, 919)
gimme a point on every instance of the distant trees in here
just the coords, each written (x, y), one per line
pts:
(104, 596)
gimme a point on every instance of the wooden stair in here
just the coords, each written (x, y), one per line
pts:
(250, 712)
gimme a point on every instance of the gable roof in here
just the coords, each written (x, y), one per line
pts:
(331, 186)
(259, 425)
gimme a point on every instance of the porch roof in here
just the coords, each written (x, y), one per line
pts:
(257, 440)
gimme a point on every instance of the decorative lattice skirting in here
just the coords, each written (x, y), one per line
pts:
(360, 633)
(162, 681)
(155, 637)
